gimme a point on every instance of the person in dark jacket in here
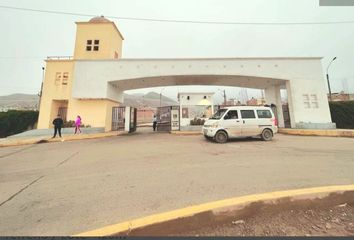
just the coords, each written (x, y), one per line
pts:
(58, 123)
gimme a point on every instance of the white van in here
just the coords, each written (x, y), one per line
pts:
(241, 121)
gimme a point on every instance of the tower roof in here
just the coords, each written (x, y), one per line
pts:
(99, 19)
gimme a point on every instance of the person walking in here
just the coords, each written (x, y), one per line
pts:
(154, 123)
(58, 123)
(77, 124)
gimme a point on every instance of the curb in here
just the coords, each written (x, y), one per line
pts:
(211, 206)
(318, 132)
(189, 133)
(43, 139)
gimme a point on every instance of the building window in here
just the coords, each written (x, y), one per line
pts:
(57, 78)
(89, 45)
(306, 100)
(96, 45)
(314, 101)
(65, 78)
(92, 45)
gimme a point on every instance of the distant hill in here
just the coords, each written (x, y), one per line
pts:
(151, 99)
(20, 101)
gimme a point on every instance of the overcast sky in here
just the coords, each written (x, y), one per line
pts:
(28, 37)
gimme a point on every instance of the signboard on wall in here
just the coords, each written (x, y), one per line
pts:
(174, 118)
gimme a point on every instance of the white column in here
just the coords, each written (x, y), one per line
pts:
(127, 119)
(290, 104)
(272, 96)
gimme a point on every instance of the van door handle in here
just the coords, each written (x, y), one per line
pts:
(237, 120)
(243, 121)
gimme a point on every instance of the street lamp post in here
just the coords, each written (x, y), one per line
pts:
(40, 93)
(329, 85)
(223, 94)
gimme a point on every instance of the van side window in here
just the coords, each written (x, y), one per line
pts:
(232, 114)
(247, 114)
(264, 114)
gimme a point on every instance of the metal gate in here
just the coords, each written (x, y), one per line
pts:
(118, 118)
(62, 112)
(133, 120)
(286, 115)
(163, 116)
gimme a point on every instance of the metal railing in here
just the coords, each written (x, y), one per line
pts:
(59, 57)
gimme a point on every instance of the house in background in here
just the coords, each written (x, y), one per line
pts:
(256, 102)
(195, 105)
(341, 96)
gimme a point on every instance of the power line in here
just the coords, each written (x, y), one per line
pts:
(178, 21)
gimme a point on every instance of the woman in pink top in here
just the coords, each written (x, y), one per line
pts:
(78, 124)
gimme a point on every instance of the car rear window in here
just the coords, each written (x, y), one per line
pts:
(248, 114)
(264, 114)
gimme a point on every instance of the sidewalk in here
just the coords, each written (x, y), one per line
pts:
(318, 132)
(6, 142)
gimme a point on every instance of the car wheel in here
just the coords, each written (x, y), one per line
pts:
(267, 135)
(221, 137)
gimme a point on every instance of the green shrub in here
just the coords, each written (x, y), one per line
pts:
(13, 122)
(343, 114)
(71, 123)
(197, 121)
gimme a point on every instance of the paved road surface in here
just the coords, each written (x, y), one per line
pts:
(66, 188)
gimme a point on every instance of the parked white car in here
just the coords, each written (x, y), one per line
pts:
(241, 121)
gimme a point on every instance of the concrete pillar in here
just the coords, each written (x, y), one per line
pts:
(272, 96)
(308, 104)
(127, 119)
(290, 104)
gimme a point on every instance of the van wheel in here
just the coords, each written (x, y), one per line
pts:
(267, 135)
(221, 137)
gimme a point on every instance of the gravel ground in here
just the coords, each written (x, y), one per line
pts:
(334, 221)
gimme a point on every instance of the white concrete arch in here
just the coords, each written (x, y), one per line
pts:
(185, 80)
(302, 77)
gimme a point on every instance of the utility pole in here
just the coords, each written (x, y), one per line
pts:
(40, 92)
(224, 97)
(161, 95)
(329, 85)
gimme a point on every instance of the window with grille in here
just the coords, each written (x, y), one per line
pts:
(314, 101)
(92, 45)
(306, 100)
(57, 78)
(65, 78)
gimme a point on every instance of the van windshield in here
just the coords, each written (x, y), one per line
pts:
(219, 114)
